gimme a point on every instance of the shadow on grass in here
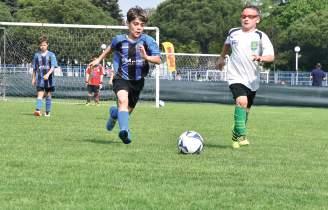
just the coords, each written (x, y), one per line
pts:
(98, 141)
(218, 146)
(28, 113)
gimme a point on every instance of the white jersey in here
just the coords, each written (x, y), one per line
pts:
(241, 68)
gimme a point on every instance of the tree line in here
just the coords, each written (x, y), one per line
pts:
(198, 26)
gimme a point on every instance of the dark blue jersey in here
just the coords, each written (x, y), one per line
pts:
(317, 76)
(128, 63)
(42, 63)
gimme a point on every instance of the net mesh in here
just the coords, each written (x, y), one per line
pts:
(73, 46)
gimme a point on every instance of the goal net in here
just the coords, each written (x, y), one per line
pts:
(74, 45)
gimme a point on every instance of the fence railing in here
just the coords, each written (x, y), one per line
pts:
(187, 74)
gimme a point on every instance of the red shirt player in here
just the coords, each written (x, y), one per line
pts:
(93, 80)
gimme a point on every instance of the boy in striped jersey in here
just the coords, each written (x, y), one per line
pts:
(44, 63)
(132, 54)
(249, 47)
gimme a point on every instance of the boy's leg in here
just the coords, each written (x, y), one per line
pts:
(243, 103)
(239, 128)
(123, 115)
(48, 104)
(96, 97)
(89, 97)
(113, 114)
(38, 107)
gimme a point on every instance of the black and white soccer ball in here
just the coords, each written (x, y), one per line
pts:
(190, 142)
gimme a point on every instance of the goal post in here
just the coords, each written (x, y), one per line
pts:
(73, 44)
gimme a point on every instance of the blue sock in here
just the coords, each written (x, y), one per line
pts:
(48, 104)
(38, 104)
(123, 120)
(113, 111)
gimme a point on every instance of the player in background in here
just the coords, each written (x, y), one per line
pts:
(249, 48)
(44, 63)
(132, 54)
(93, 80)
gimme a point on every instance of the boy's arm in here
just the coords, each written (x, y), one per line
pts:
(221, 60)
(112, 72)
(156, 59)
(52, 68)
(34, 71)
(101, 77)
(101, 57)
(33, 77)
(87, 76)
(263, 58)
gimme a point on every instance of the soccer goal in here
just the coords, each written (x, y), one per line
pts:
(73, 45)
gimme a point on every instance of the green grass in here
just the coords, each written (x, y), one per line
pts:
(69, 161)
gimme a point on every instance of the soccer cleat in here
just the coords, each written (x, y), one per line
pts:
(110, 124)
(243, 142)
(112, 118)
(47, 114)
(87, 104)
(37, 113)
(235, 144)
(125, 136)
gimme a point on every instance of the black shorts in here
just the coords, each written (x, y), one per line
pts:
(47, 89)
(241, 90)
(134, 88)
(93, 89)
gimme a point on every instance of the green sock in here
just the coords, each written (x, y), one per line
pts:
(246, 118)
(240, 121)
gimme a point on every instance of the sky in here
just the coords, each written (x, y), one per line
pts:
(125, 5)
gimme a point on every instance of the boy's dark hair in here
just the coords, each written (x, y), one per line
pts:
(43, 38)
(250, 6)
(318, 65)
(137, 12)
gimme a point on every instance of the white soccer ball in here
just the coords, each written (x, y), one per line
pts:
(190, 142)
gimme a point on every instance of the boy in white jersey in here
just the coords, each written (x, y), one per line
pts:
(249, 47)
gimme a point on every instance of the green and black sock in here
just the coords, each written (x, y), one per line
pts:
(240, 117)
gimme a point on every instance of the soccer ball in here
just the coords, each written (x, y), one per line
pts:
(190, 142)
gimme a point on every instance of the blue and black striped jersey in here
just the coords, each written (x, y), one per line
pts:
(127, 61)
(42, 63)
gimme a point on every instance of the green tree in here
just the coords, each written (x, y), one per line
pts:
(12, 4)
(196, 26)
(311, 33)
(111, 7)
(5, 12)
(300, 22)
(62, 11)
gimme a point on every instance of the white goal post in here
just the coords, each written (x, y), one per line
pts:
(74, 45)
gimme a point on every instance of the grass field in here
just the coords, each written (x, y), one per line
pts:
(69, 161)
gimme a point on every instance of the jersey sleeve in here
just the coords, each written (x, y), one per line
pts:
(53, 58)
(114, 42)
(153, 48)
(267, 47)
(102, 70)
(227, 41)
(35, 57)
(87, 71)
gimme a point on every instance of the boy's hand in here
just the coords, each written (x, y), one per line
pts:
(94, 62)
(220, 64)
(45, 77)
(143, 52)
(257, 58)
